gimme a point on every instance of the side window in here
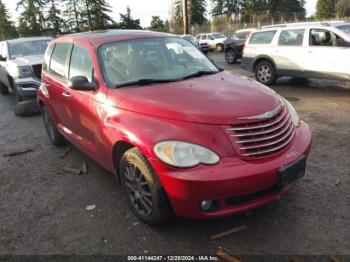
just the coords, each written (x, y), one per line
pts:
(58, 59)
(80, 63)
(210, 37)
(204, 37)
(261, 38)
(47, 57)
(291, 37)
(322, 37)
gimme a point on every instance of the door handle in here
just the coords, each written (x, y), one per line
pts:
(66, 94)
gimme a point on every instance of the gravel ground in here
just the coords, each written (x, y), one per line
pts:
(43, 213)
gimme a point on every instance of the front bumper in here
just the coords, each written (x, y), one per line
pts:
(235, 185)
(27, 88)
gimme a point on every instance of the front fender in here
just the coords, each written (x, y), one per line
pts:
(143, 132)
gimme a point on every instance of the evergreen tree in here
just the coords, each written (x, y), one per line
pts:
(178, 17)
(100, 18)
(157, 24)
(217, 7)
(32, 17)
(72, 14)
(127, 22)
(197, 11)
(325, 9)
(54, 21)
(7, 30)
(343, 8)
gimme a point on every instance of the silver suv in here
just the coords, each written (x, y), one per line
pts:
(315, 50)
(20, 70)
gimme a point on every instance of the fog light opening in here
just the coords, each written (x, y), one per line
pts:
(209, 205)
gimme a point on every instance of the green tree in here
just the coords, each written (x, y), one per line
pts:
(127, 22)
(32, 18)
(7, 30)
(217, 7)
(157, 24)
(325, 9)
(53, 19)
(178, 18)
(197, 12)
(72, 14)
(343, 8)
(99, 13)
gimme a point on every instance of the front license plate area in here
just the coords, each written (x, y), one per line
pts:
(289, 174)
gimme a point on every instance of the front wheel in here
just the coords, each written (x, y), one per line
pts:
(230, 56)
(146, 196)
(265, 73)
(55, 137)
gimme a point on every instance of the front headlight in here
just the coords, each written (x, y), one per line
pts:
(292, 112)
(24, 71)
(183, 154)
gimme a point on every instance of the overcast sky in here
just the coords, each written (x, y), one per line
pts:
(141, 9)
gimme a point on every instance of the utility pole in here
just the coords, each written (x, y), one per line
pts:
(185, 15)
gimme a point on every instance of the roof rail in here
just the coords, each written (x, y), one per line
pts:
(323, 23)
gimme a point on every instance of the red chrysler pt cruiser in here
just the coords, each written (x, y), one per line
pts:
(183, 136)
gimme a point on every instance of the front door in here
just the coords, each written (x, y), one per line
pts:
(326, 58)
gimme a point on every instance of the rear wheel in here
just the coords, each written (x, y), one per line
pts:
(55, 137)
(230, 56)
(146, 196)
(265, 73)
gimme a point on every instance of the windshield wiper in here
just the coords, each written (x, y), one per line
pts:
(145, 81)
(200, 73)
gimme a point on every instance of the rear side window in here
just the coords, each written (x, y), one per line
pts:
(47, 57)
(58, 59)
(261, 38)
(291, 37)
(80, 64)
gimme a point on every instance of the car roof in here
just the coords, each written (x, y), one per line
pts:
(98, 38)
(27, 39)
(304, 25)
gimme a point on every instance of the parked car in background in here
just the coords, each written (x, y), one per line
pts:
(215, 40)
(311, 50)
(178, 132)
(204, 47)
(20, 70)
(234, 46)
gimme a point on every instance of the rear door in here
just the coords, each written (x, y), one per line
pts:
(326, 58)
(55, 79)
(290, 53)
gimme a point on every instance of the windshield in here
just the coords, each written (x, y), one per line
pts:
(344, 28)
(28, 48)
(190, 38)
(216, 36)
(157, 59)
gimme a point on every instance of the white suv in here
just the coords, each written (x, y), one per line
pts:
(215, 40)
(315, 50)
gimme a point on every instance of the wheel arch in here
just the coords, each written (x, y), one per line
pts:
(263, 58)
(119, 148)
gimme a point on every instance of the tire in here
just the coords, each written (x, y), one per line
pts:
(265, 73)
(4, 89)
(146, 196)
(230, 56)
(26, 108)
(55, 137)
(220, 48)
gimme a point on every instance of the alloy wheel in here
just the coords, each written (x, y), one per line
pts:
(230, 56)
(264, 73)
(138, 190)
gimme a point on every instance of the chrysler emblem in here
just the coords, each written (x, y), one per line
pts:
(265, 115)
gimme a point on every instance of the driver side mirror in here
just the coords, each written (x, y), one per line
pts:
(2, 59)
(81, 83)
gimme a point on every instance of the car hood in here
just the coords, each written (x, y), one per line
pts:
(221, 98)
(234, 41)
(29, 60)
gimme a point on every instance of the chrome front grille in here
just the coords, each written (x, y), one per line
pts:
(263, 138)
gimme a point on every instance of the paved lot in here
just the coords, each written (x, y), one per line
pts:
(45, 214)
